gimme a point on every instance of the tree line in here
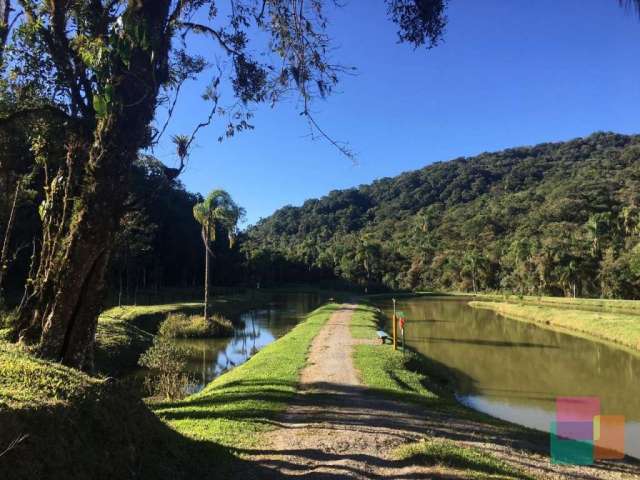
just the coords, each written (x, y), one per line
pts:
(81, 84)
(553, 219)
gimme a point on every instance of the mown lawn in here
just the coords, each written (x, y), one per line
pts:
(621, 328)
(595, 304)
(236, 407)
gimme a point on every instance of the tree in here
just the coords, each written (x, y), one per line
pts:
(217, 211)
(99, 69)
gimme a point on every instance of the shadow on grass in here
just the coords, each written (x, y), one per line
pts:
(108, 433)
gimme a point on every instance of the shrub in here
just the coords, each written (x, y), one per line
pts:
(167, 363)
(178, 325)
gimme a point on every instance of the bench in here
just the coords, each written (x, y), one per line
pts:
(382, 335)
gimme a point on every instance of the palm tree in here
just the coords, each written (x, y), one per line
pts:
(218, 210)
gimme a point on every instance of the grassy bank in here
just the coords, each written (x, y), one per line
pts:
(620, 328)
(64, 424)
(594, 304)
(70, 425)
(412, 378)
(237, 406)
(125, 332)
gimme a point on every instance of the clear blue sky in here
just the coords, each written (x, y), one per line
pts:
(509, 73)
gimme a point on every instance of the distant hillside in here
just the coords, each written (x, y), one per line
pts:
(556, 218)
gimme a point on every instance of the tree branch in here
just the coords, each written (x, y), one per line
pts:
(199, 28)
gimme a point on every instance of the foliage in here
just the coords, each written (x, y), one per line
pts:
(195, 326)
(556, 219)
(167, 363)
(218, 211)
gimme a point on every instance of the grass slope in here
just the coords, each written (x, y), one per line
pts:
(621, 328)
(236, 407)
(412, 378)
(73, 426)
(125, 332)
(594, 304)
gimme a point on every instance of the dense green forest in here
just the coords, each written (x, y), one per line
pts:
(556, 218)
(560, 219)
(158, 244)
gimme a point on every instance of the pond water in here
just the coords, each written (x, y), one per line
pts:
(208, 358)
(515, 370)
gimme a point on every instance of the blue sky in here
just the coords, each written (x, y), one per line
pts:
(509, 73)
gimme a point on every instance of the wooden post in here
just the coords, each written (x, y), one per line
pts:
(395, 336)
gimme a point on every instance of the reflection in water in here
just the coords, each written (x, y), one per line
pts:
(515, 371)
(208, 358)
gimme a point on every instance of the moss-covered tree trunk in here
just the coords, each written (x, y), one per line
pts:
(85, 200)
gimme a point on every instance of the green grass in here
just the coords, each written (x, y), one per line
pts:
(236, 407)
(621, 328)
(474, 463)
(595, 304)
(125, 332)
(178, 325)
(410, 377)
(383, 369)
(76, 426)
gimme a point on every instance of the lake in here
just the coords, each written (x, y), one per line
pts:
(208, 358)
(514, 370)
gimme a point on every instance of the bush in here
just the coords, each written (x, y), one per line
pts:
(167, 363)
(178, 325)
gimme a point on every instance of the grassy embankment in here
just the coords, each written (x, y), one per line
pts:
(65, 424)
(236, 407)
(412, 378)
(124, 333)
(616, 321)
(83, 427)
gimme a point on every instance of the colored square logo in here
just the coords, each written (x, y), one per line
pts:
(577, 409)
(568, 451)
(609, 437)
(580, 434)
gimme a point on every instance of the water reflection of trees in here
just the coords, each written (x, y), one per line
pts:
(519, 363)
(211, 358)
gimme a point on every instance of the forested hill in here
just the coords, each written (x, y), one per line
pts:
(558, 218)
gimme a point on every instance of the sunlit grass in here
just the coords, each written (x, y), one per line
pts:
(410, 377)
(622, 328)
(474, 463)
(236, 407)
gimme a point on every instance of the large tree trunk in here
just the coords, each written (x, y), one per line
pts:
(80, 216)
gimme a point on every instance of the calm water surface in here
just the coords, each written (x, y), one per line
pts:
(514, 370)
(208, 358)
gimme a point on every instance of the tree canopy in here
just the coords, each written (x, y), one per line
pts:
(559, 218)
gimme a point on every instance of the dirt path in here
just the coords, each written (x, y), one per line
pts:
(335, 429)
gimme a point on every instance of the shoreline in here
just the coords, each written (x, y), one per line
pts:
(554, 319)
